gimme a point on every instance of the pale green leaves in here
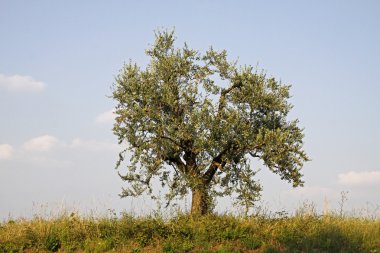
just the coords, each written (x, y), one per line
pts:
(187, 116)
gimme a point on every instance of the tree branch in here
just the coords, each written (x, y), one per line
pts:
(215, 164)
(173, 141)
(176, 161)
(235, 85)
(254, 154)
(218, 163)
(224, 93)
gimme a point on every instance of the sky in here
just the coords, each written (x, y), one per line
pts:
(58, 61)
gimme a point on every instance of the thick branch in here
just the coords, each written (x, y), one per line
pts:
(215, 164)
(190, 159)
(212, 170)
(175, 161)
(218, 163)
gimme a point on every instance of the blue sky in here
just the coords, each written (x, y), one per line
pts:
(58, 60)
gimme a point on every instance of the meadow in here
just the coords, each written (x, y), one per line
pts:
(278, 232)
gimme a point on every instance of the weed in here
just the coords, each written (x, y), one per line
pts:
(52, 242)
(251, 242)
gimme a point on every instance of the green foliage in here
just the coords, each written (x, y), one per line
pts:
(270, 249)
(178, 246)
(229, 248)
(195, 120)
(251, 242)
(182, 233)
(52, 242)
(99, 245)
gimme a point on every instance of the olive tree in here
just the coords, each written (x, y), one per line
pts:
(195, 121)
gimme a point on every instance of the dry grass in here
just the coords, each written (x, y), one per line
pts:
(304, 232)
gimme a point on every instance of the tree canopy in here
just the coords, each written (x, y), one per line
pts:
(195, 121)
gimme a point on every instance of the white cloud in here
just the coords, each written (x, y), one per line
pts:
(92, 145)
(6, 151)
(107, 117)
(48, 142)
(41, 143)
(18, 83)
(359, 178)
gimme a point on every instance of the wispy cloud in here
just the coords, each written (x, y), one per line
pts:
(6, 151)
(107, 117)
(359, 178)
(19, 83)
(92, 145)
(49, 142)
(41, 143)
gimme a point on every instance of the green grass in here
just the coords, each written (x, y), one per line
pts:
(213, 233)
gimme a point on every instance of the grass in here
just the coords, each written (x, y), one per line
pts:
(182, 233)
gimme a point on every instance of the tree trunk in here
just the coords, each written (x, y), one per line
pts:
(200, 202)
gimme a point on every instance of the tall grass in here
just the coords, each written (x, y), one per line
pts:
(303, 232)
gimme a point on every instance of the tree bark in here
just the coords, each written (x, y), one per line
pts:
(200, 201)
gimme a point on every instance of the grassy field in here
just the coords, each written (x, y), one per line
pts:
(213, 233)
